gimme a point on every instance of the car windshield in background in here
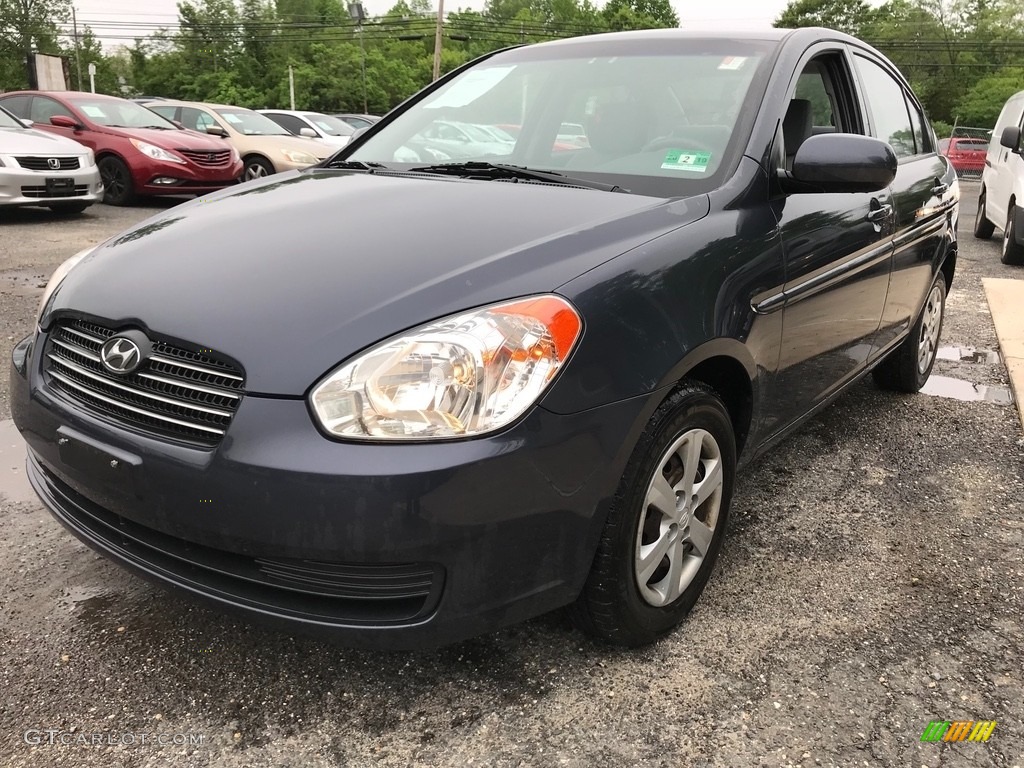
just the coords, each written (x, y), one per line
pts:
(7, 120)
(120, 114)
(332, 126)
(662, 122)
(251, 123)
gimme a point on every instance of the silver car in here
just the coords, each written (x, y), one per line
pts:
(39, 168)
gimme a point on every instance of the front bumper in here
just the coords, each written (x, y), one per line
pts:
(20, 186)
(160, 178)
(397, 546)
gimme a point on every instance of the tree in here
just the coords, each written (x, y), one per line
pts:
(982, 104)
(27, 26)
(850, 16)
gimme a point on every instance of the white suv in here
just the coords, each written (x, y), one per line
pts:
(1001, 202)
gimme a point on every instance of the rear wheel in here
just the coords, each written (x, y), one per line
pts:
(665, 528)
(908, 367)
(983, 228)
(68, 208)
(117, 181)
(1013, 251)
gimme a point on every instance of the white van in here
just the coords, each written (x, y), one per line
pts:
(1001, 201)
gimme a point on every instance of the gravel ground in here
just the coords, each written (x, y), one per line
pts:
(872, 581)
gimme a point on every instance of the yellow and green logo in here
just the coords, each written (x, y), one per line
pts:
(959, 730)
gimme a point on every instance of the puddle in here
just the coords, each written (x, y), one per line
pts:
(958, 389)
(13, 483)
(968, 355)
(87, 603)
(24, 282)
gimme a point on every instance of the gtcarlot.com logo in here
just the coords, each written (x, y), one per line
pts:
(958, 730)
(54, 737)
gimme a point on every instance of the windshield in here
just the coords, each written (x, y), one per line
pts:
(648, 114)
(120, 114)
(251, 123)
(7, 120)
(970, 145)
(332, 126)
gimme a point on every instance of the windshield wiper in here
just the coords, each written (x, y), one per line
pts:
(353, 165)
(158, 127)
(478, 168)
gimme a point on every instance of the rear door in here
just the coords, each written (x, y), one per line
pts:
(923, 193)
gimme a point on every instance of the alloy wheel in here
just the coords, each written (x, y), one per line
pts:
(255, 171)
(931, 325)
(681, 510)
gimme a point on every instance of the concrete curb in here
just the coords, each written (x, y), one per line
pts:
(1006, 302)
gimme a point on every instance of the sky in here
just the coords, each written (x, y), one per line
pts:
(104, 15)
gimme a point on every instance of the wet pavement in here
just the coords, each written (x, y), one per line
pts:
(14, 484)
(872, 581)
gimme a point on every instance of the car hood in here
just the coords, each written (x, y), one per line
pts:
(291, 275)
(273, 144)
(171, 139)
(32, 142)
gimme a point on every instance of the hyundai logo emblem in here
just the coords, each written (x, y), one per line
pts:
(54, 163)
(120, 355)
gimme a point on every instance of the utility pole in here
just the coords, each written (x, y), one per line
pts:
(78, 53)
(437, 39)
(358, 15)
(291, 85)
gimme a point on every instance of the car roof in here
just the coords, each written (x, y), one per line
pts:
(65, 94)
(204, 104)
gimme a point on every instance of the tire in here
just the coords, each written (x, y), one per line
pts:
(256, 168)
(68, 208)
(629, 598)
(1013, 251)
(118, 187)
(908, 367)
(983, 228)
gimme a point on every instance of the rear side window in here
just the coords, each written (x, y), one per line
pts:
(888, 106)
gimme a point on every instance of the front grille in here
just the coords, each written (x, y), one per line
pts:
(43, 163)
(335, 594)
(207, 159)
(177, 392)
(41, 192)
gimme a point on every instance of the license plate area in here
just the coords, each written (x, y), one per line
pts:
(60, 187)
(98, 465)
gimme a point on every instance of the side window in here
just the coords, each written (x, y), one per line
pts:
(196, 119)
(811, 87)
(290, 123)
(43, 109)
(167, 112)
(820, 104)
(922, 137)
(16, 105)
(888, 107)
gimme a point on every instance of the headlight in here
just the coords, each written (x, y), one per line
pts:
(235, 157)
(90, 159)
(299, 158)
(155, 152)
(58, 277)
(465, 375)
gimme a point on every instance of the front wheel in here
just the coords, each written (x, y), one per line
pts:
(908, 367)
(256, 168)
(665, 528)
(117, 181)
(983, 228)
(1013, 251)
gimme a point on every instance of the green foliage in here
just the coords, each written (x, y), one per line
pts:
(850, 16)
(27, 26)
(981, 105)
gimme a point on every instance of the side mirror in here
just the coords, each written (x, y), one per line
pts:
(357, 133)
(27, 123)
(1010, 138)
(63, 121)
(216, 130)
(841, 162)
(309, 133)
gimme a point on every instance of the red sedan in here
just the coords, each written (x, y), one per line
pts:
(965, 155)
(137, 151)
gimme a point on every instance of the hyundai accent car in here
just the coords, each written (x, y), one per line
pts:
(138, 152)
(38, 168)
(407, 403)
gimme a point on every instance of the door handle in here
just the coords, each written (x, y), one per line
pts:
(879, 213)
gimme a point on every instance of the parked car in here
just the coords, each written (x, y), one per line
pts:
(264, 145)
(1001, 199)
(458, 141)
(38, 168)
(312, 125)
(357, 121)
(967, 155)
(138, 153)
(408, 403)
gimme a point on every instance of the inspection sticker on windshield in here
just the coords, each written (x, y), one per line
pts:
(681, 160)
(733, 62)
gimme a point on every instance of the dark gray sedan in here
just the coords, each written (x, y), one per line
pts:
(409, 402)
